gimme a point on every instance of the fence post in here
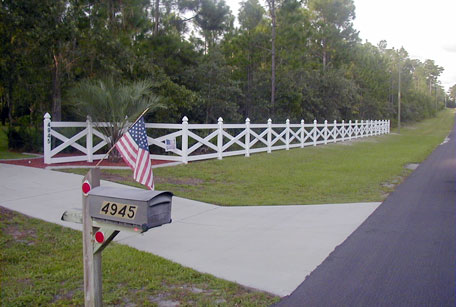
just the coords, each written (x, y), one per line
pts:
(315, 133)
(335, 131)
(363, 128)
(350, 129)
(269, 135)
(47, 138)
(367, 129)
(356, 129)
(287, 134)
(89, 139)
(343, 130)
(302, 133)
(185, 139)
(326, 132)
(220, 138)
(247, 137)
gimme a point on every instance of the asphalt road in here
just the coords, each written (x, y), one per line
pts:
(404, 254)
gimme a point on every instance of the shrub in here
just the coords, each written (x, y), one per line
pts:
(25, 138)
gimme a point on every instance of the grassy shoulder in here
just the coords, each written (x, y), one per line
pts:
(41, 265)
(4, 152)
(362, 170)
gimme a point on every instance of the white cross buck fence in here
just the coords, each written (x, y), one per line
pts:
(192, 142)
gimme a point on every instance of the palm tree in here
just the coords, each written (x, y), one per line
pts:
(113, 105)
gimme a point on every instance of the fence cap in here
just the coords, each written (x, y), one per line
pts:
(47, 116)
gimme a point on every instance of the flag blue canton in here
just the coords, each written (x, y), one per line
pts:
(138, 133)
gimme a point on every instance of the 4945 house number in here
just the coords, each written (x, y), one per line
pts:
(118, 210)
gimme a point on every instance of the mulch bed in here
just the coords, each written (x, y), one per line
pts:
(39, 163)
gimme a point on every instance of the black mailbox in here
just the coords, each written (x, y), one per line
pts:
(132, 208)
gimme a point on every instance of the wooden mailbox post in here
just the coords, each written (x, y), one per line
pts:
(107, 211)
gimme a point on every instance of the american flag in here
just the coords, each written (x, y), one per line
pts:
(134, 148)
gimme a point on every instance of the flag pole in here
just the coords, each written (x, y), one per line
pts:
(107, 154)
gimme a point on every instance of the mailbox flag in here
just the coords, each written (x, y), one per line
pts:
(134, 148)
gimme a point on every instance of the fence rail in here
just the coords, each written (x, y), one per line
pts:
(191, 142)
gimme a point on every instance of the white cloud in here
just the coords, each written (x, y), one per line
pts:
(450, 48)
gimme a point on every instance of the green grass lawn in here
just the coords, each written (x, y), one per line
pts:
(363, 170)
(41, 265)
(4, 152)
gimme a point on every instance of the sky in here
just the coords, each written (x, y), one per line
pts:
(424, 28)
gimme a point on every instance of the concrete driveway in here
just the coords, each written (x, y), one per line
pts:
(270, 248)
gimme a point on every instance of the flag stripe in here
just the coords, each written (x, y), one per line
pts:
(149, 181)
(145, 173)
(130, 145)
(130, 156)
(143, 166)
(125, 157)
(138, 166)
(127, 150)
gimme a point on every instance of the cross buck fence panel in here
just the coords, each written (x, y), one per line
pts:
(83, 141)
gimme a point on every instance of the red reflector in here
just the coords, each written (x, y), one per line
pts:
(99, 237)
(86, 187)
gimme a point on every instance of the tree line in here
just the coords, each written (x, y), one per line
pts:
(296, 59)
